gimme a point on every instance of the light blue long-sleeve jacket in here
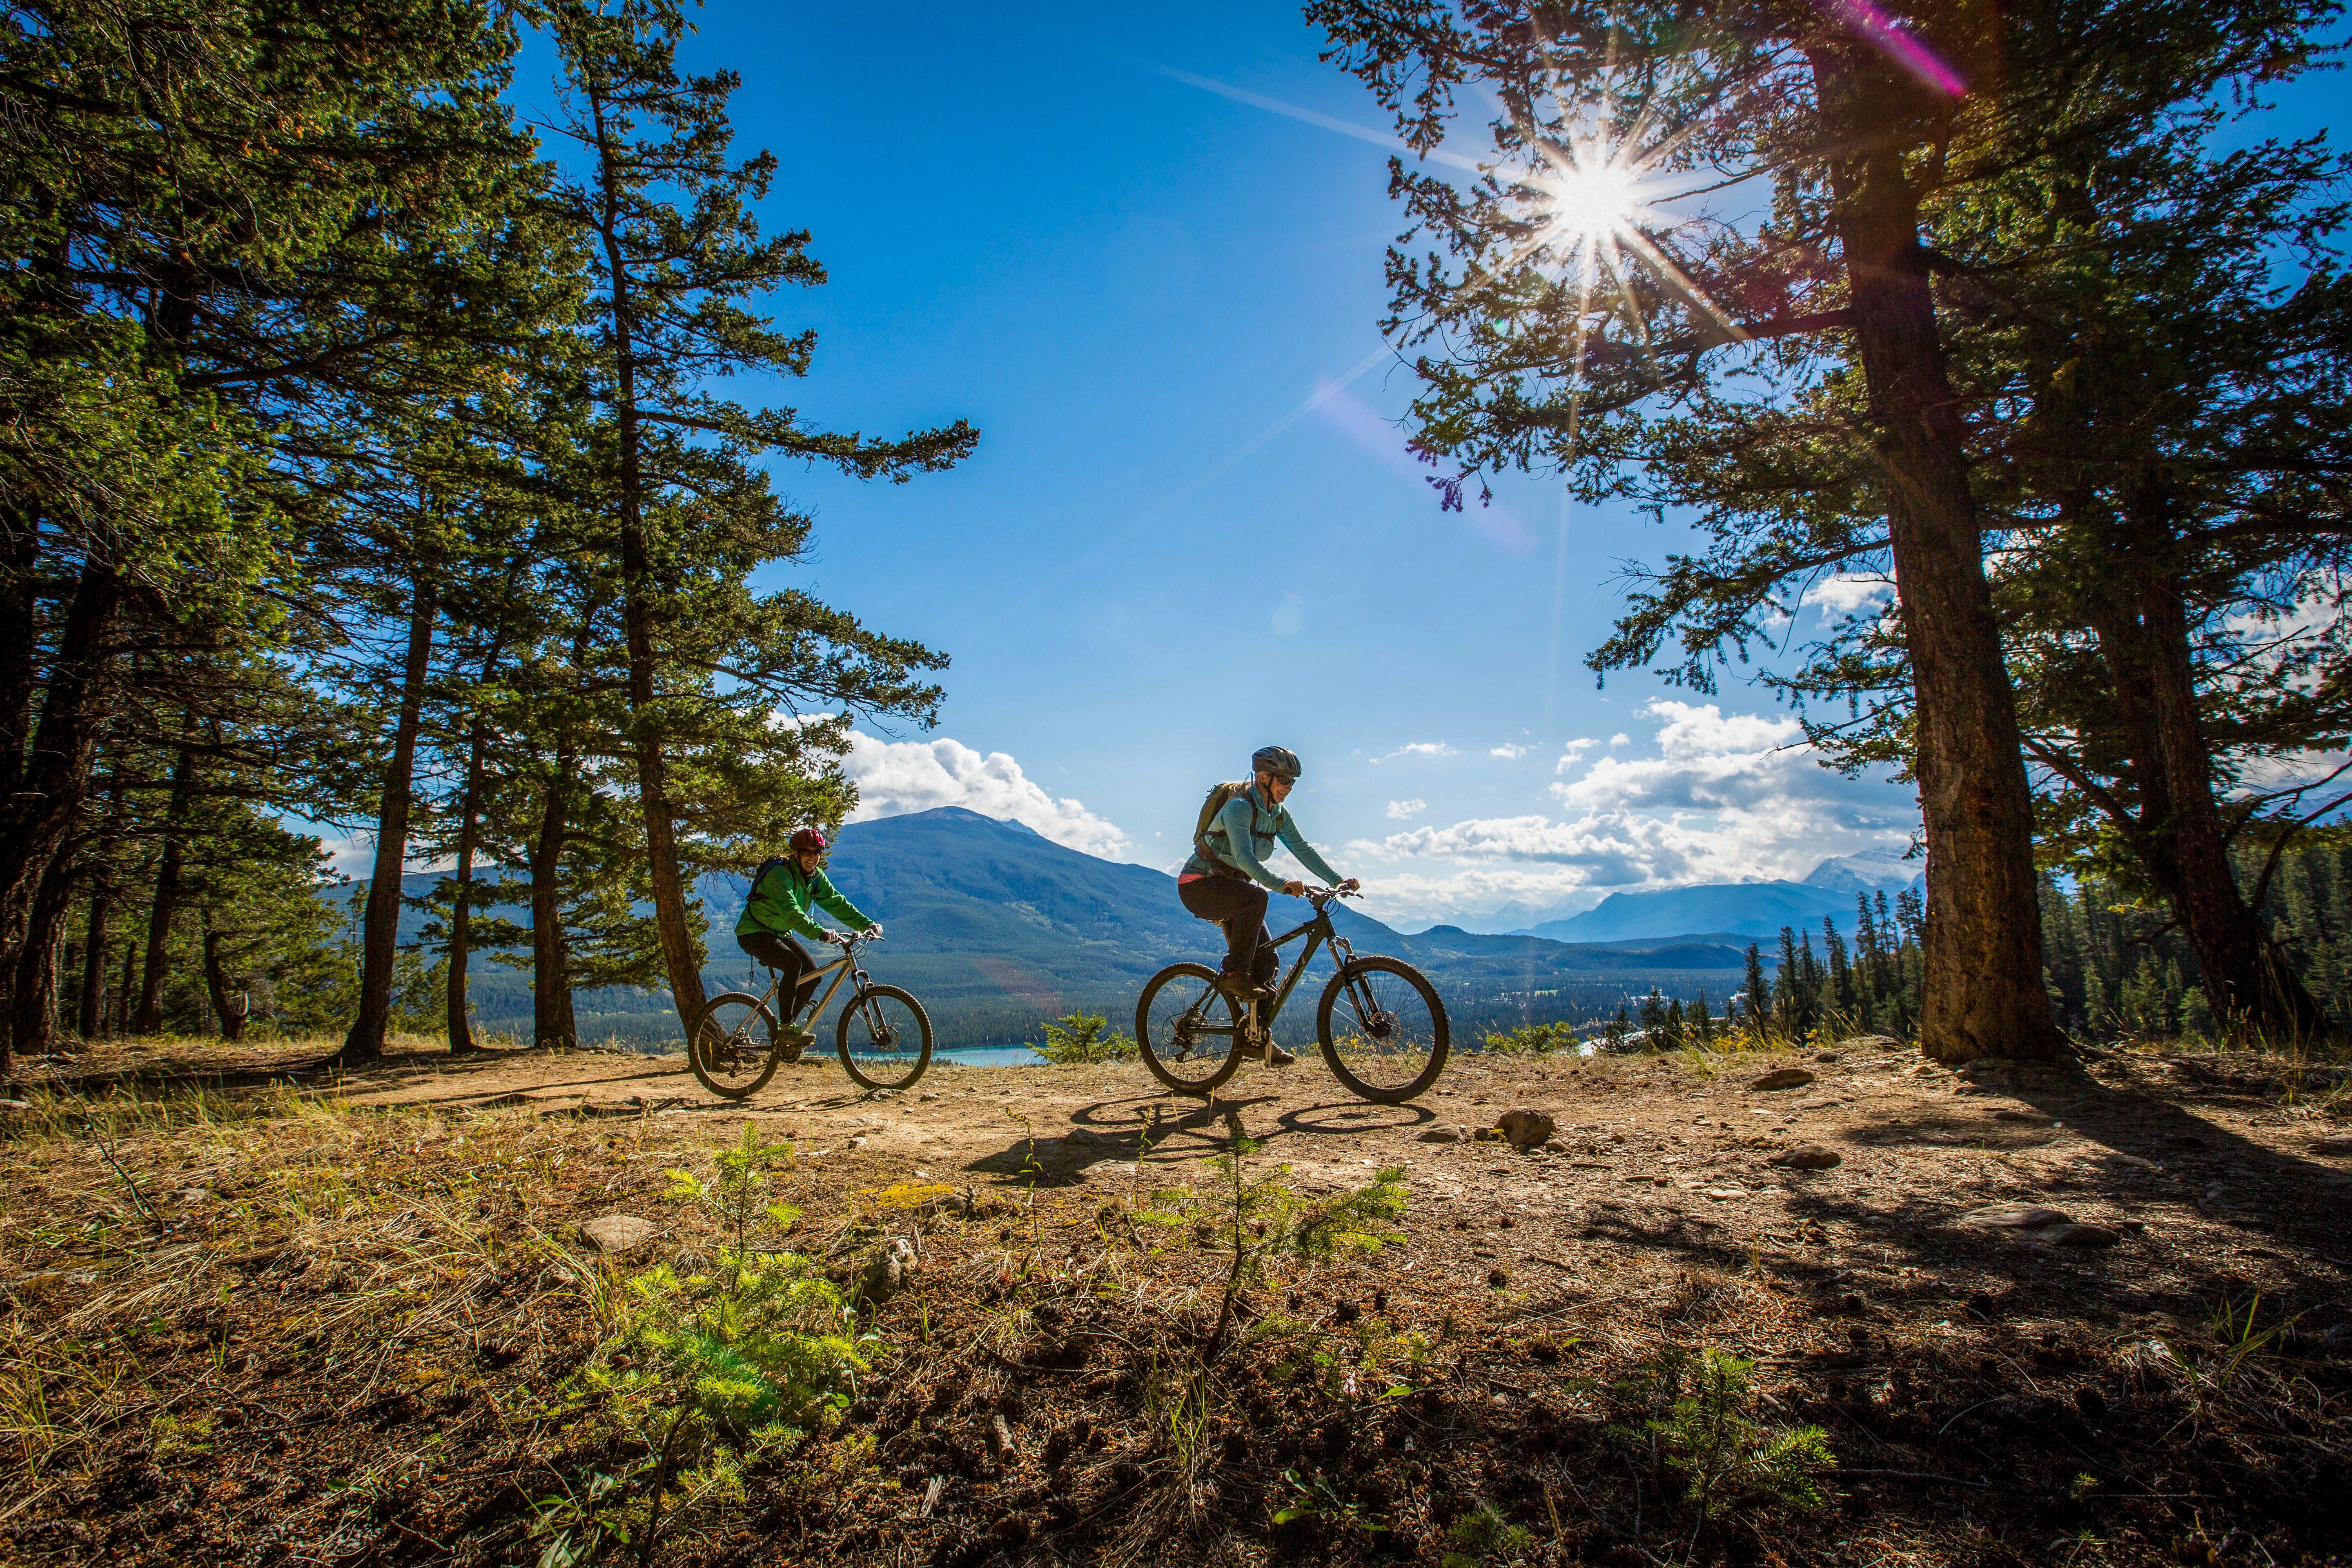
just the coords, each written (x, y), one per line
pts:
(1243, 834)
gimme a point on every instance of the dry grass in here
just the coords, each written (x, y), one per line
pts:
(265, 1326)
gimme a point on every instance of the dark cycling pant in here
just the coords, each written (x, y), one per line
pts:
(788, 957)
(1240, 908)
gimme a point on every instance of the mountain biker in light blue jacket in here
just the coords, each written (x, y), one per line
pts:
(1230, 884)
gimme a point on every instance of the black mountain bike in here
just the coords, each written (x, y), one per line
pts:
(1381, 1025)
(884, 1034)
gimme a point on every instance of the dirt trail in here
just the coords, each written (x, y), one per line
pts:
(1996, 1291)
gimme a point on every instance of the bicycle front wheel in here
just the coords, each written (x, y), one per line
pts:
(1382, 1030)
(885, 1037)
(1189, 1030)
(732, 1046)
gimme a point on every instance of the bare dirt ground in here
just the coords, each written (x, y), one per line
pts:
(369, 1311)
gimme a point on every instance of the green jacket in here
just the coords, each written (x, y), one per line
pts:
(780, 903)
(1244, 835)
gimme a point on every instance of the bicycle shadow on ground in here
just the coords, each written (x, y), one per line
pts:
(1152, 1129)
(1348, 1117)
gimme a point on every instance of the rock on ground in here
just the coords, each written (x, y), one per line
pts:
(1783, 1078)
(1809, 1157)
(1524, 1126)
(618, 1234)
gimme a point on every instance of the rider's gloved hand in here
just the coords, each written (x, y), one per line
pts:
(874, 933)
(1350, 886)
(837, 938)
(1295, 888)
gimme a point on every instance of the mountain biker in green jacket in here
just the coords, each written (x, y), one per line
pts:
(1230, 884)
(777, 914)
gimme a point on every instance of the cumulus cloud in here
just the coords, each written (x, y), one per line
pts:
(1726, 797)
(1620, 738)
(1850, 591)
(1573, 753)
(1417, 749)
(1399, 810)
(895, 777)
(1507, 751)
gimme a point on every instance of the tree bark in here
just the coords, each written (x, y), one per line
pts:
(54, 781)
(380, 933)
(230, 1012)
(553, 1026)
(1983, 994)
(2246, 981)
(89, 1017)
(148, 1019)
(461, 908)
(90, 1013)
(32, 996)
(679, 955)
(20, 640)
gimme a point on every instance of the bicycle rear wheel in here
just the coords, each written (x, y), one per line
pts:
(732, 1046)
(885, 1037)
(1382, 1030)
(1189, 1030)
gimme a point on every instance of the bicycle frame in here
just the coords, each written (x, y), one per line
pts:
(842, 968)
(1317, 930)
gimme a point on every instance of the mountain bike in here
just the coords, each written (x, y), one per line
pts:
(883, 1036)
(1381, 1028)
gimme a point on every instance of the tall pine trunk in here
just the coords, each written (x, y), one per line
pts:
(2246, 981)
(1982, 994)
(679, 955)
(33, 997)
(52, 781)
(90, 1015)
(461, 905)
(380, 933)
(553, 1026)
(166, 906)
(230, 1012)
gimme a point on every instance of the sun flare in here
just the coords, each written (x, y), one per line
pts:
(1590, 202)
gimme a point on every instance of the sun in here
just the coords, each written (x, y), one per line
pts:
(1585, 204)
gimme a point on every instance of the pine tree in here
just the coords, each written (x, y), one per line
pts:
(1863, 128)
(678, 253)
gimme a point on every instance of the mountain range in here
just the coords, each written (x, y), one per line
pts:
(998, 929)
(1740, 911)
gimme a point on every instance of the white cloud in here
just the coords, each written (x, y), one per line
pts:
(1620, 738)
(1417, 748)
(1507, 751)
(895, 777)
(1399, 810)
(1573, 753)
(1725, 798)
(1850, 591)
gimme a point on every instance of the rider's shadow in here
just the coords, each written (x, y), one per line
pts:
(1102, 1135)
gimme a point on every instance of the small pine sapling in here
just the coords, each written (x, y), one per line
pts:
(1265, 1218)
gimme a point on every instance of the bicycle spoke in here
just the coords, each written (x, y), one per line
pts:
(1384, 1035)
(884, 1037)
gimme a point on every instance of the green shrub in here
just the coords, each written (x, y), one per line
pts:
(703, 1374)
(1078, 1037)
(1699, 1427)
(1541, 1038)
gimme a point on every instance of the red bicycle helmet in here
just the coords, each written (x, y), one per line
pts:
(809, 838)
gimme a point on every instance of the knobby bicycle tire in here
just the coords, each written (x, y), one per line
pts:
(856, 1013)
(696, 1045)
(1178, 1068)
(1355, 973)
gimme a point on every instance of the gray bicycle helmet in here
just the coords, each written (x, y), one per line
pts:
(1279, 761)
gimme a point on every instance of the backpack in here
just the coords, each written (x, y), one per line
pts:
(1220, 796)
(759, 876)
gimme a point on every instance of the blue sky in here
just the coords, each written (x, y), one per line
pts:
(1191, 527)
